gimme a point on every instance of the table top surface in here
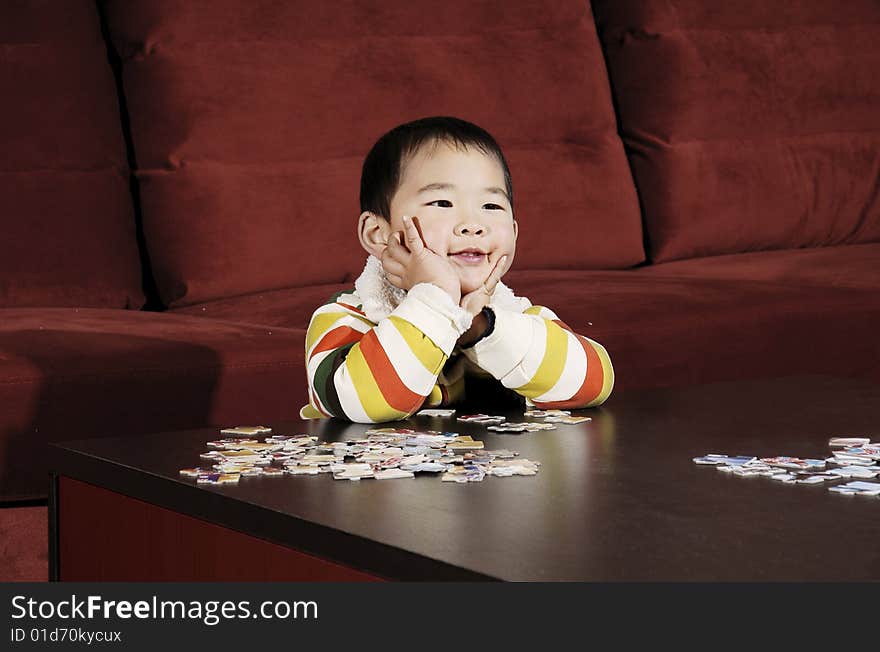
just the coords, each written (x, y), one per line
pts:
(617, 498)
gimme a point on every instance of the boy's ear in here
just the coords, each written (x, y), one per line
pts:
(373, 232)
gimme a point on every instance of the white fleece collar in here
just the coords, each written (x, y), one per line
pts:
(379, 297)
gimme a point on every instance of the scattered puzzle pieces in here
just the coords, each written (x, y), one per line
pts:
(858, 459)
(384, 453)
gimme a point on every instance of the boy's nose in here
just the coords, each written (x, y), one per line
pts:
(470, 228)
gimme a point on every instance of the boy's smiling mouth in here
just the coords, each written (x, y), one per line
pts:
(469, 256)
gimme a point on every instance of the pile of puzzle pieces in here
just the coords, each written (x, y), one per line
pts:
(855, 459)
(384, 453)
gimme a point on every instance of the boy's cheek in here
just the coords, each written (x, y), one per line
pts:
(437, 245)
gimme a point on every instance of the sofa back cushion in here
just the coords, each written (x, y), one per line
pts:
(251, 120)
(750, 125)
(68, 230)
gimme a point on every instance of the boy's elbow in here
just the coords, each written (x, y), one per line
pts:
(361, 412)
(593, 392)
(380, 416)
(599, 400)
(604, 383)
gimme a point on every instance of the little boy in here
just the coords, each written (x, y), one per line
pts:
(430, 309)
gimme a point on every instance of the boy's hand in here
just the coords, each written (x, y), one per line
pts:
(475, 301)
(414, 263)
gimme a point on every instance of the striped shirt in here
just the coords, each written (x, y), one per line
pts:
(371, 372)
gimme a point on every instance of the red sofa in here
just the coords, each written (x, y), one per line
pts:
(697, 186)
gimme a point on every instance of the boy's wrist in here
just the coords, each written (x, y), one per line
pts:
(481, 327)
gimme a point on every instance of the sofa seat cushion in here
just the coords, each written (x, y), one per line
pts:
(81, 373)
(290, 307)
(663, 331)
(846, 266)
(68, 229)
(251, 120)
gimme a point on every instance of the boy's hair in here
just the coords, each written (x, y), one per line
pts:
(383, 167)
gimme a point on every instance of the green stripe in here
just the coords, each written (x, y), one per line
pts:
(324, 387)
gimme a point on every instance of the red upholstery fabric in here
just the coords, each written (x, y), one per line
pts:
(67, 231)
(750, 125)
(846, 266)
(251, 120)
(290, 307)
(71, 374)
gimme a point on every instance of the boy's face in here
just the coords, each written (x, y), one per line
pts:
(461, 202)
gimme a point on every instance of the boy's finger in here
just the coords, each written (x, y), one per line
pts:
(413, 237)
(394, 247)
(392, 266)
(418, 224)
(496, 273)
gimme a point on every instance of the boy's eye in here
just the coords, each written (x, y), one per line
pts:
(493, 207)
(446, 203)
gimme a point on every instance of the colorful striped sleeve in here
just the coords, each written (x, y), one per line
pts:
(370, 373)
(538, 356)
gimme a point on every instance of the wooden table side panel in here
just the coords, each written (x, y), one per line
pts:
(106, 536)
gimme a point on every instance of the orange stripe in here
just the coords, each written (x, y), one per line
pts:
(333, 339)
(591, 386)
(395, 393)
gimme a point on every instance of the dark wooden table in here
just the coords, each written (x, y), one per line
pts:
(618, 498)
